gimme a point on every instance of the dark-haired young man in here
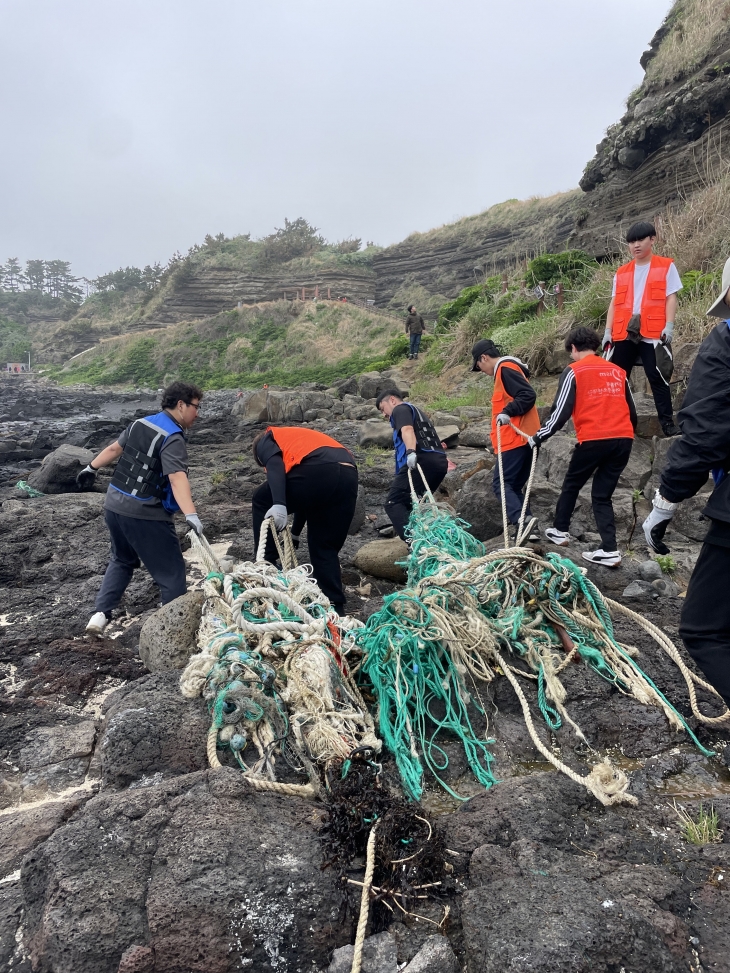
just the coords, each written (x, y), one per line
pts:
(595, 393)
(513, 401)
(416, 442)
(149, 485)
(415, 327)
(314, 477)
(641, 316)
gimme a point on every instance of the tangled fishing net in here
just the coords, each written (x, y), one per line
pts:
(467, 617)
(273, 669)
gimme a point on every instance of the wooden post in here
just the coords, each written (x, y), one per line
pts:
(304, 293)
(329, 295)
(560, 295)
(505, 282)
(316, 292)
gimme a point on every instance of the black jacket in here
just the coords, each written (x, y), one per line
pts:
(415, 324)
(705, 423)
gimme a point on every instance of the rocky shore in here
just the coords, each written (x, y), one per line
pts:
(123, 852)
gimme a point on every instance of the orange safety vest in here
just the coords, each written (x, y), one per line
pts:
(601, 410)
(653, 303)
(529, 422)
(296, 443)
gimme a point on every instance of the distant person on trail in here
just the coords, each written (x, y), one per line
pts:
(315, 478)
(149, 485)
(416, 442)
(415, 327)
(704, 449)
(513, 400)
(595, 393)
(640, 320)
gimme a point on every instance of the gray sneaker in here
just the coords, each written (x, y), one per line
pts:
(609, 559)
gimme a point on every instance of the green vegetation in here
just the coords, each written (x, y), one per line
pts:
(14, 342)
(275, 344)
(569, 268)
(667, 563)
(702, 830)
(692, 27)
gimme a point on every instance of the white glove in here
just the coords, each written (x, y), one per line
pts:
(411, 460)
(606, 340)
(279, 513)
(655, 525)
(503, 419)
(85, 478)
(194, 522)
(668, 332)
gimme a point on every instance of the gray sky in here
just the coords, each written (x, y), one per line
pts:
(131, 128)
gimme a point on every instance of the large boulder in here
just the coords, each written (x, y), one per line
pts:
(285, 407)
(201, 870)
(448, 434)
(375, 432)
(477, 434)
(152, 729)
(57, 473)
(554, 458)
(689, 519)
(379, 955)
(477, 504)
(371, 384)
(378, 559)
(252, 406)
(167, 638)
(648, 424)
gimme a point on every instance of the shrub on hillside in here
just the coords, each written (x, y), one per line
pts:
(568, 267)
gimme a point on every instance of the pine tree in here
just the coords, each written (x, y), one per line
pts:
(13, 275)
(35, 274)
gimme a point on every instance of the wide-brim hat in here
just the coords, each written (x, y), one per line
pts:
(720, 309)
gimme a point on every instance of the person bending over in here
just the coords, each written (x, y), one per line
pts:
(513, 400)
(641, 316)
(416, 442)
(150, 484)
(596, 395)
(315, 478)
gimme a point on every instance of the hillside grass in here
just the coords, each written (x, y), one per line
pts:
(281, 343)
(693, 30)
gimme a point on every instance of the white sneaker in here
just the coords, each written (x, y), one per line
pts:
(97, 623)
(609, 559)
(559, 537)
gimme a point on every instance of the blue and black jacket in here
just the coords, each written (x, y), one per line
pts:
(427, 440)
(138, 473)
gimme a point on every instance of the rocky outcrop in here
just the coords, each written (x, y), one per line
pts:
(168, 638)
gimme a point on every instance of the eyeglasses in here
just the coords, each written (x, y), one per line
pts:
(194, 405)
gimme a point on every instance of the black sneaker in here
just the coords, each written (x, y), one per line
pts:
(671, 429)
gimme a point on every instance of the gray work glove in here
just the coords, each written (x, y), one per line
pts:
(194, 521)
(655, 525)
(86, 478)
(668, 332)
(503, 419)
(534, 442)
(411, 459)
(606, 340)
(279, 514)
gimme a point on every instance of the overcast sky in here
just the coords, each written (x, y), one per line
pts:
(131, 128)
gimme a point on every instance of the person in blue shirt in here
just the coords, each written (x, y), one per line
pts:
(416, 443)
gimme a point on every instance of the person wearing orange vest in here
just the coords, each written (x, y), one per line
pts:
(641, 316)
(315, 478)
(596, 394)
(513, 401)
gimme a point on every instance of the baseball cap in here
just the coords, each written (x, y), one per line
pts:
(484, 347)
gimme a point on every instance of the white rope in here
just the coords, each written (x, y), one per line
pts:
(362, 922)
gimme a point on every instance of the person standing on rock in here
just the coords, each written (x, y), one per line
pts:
(149, 485)
(416, 443)
(415, 327)
(703, 450)
(641, 317)
(513, 401)
(596, 395)
(314, 477)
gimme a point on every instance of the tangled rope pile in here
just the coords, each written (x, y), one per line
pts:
(273, 669)
(467, 616)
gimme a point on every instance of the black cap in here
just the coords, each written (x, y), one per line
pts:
(484, 347)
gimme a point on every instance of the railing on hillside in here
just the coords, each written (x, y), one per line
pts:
(315, 293)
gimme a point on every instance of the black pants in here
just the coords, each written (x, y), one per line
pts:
(152, 542)
(625, 355)
(705, 621)
(398, 503)
(324, 494)
(605, 460)
(516, 465)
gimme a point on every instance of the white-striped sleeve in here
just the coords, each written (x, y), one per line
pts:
(562, 408)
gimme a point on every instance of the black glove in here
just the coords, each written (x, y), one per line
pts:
(86, 478)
